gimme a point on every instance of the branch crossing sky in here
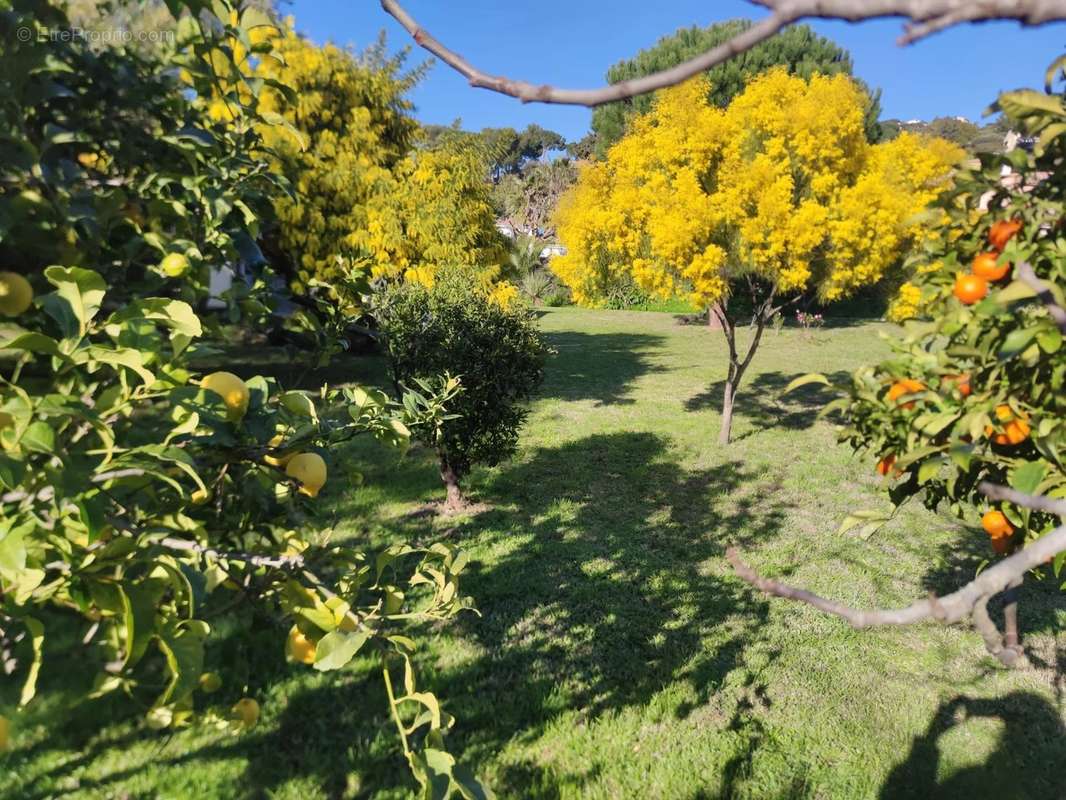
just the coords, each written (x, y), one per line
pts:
(955, 73)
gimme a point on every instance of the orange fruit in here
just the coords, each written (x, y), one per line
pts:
(1002, 232)
(960, 382)
(884, 466)
(987, 266)
(905, 387)
(970, 288)
(996, 525)
(1016, 431)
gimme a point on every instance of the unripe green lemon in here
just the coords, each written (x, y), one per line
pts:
(309, 470)
(174, 265)
(210, 682)
(16, 294)
(231, 389)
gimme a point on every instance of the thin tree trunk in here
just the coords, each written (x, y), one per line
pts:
(737, 366)
(1011, 638)
(727, 410)
(454, 499)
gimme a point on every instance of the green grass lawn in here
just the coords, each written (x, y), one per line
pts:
(616, 655)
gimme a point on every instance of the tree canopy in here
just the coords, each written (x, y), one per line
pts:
(798, 49)
(778, 195)
(509, 150)
(365, 195)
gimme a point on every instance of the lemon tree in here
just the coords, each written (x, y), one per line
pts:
(139, 497)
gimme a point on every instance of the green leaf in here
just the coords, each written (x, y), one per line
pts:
(428, 700)
(35, 343)
(123, 357)
(1013, 292)
(13, 547)
(174, 314)
(928, 470)
(139, 603)
(82, 289)
(12, 471)
(1049, 339)
(184, 653)
(39, 438)
(867, 523)
(803, 380)
(432, 770)
(1016, 341)
(932, 424)
(29, 688)
(918, 454)
(337, 648)
(468, 785)
(1027, 477)
(26, 583)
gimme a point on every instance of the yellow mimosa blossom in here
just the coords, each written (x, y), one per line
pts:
(781, 185)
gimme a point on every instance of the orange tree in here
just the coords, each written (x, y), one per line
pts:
(138, 498)
(970, 412)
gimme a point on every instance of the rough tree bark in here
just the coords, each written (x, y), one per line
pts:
(454, 500)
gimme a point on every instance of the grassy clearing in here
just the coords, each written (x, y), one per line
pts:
(616, 655)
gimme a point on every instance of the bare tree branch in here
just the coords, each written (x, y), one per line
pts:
(48, 492)
(1035, 502)
(924, 17)
(969, 601)
(187, 545)
(1026, 274)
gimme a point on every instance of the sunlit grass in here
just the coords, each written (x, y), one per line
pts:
(616, 656)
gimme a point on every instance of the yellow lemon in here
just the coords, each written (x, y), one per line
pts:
(174, 265)
(277, 461)
(88, 160)
(5, 734)
(309, 470)
(246, 712)
(16, 294)
(299, 648)
(210, 682)
(231, 389)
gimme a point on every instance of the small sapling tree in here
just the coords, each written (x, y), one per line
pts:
(486, 337)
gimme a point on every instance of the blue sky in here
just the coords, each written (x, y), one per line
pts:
(958, 72)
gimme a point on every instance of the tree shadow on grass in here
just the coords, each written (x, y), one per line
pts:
(598, 366)
(1040, 601)
(608, 587)
(1027, 761)
(761, 404)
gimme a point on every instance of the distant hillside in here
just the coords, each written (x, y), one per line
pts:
(970, 136)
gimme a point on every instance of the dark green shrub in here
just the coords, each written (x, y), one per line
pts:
(496, 352)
